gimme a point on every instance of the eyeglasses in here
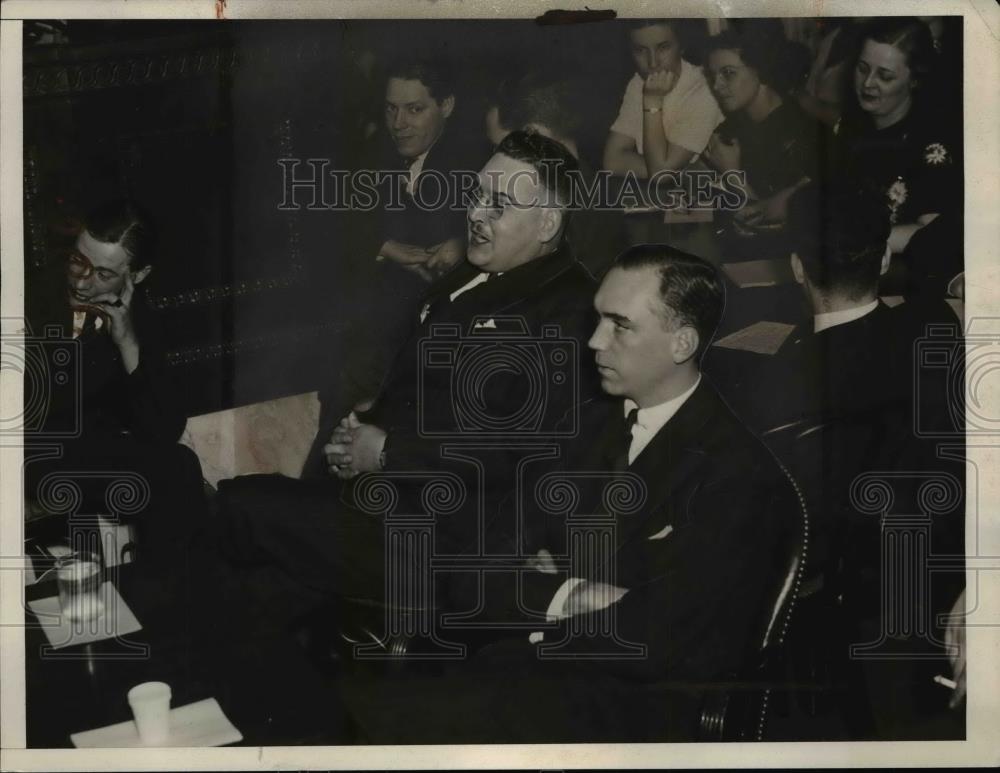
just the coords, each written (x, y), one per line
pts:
(494, 205)
(80, 265)
(728, 73)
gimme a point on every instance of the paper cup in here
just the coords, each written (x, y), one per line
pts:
(150, 704)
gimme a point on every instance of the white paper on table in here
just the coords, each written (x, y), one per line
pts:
(892, 300)
(32, 575)
(116, 619)
(760, 337)
(758, 273)
(688, 216)
(196, 724)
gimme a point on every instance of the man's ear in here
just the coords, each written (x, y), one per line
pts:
(447, 105)
(686, 342)
(141, 274)
(886, 258)
(552, 220)
(797, 270)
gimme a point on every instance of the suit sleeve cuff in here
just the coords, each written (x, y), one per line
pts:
(556, 609)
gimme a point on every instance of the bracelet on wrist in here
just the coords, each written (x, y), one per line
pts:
(652, 109)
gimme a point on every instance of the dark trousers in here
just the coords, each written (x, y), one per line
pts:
(298, 544)
(506, 694)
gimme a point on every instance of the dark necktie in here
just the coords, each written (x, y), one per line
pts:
(621, 461)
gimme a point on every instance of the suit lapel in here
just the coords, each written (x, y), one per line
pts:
(501, 294)
(667, 463)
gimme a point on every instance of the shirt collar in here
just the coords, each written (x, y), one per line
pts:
(416, 167)
(651, 419)
(833, 318)
(80, 321)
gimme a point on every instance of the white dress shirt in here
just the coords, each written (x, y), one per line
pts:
(80, 319)
(478, 279)
(830, 319)
(650, 420)
(416, 167)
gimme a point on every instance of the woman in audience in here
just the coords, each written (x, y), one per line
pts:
(765, 134)
(895, 136)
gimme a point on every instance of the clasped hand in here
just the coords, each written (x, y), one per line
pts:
(659, 83)
(117, 312)
(354, 448)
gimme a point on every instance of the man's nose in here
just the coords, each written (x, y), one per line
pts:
(475, 212)
(598, 340)
(399, 120)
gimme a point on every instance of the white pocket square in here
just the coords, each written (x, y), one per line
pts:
(662, 532)
(487, 324)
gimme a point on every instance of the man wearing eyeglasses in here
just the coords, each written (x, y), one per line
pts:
(519, 279)
(109, 404)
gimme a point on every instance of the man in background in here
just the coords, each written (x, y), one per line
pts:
(417, 235)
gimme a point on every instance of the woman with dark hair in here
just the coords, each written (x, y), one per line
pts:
(894, 138)
(765, 134)
(667, 114)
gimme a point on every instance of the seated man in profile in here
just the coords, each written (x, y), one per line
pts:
(518, 279)
(552, 105)
(668, 112)
(838, 401)
(689, 568)
(122, 415)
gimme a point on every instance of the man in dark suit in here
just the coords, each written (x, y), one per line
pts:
(636, 632)
(518, 287)
(839, 401)
(554, 105)
(118, 410)
(413, 235)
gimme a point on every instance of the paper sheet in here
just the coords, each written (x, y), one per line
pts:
(116, 620)
(197, 724)
(760, 337)
(759, 273)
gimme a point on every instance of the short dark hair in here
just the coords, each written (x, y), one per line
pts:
(763, 54)
(839, 235)
(553, 162)
(126, 223)
(548, 101)
(691, 290)
(434, 73)
(690, 34)
(678, 26)
(910, 36)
